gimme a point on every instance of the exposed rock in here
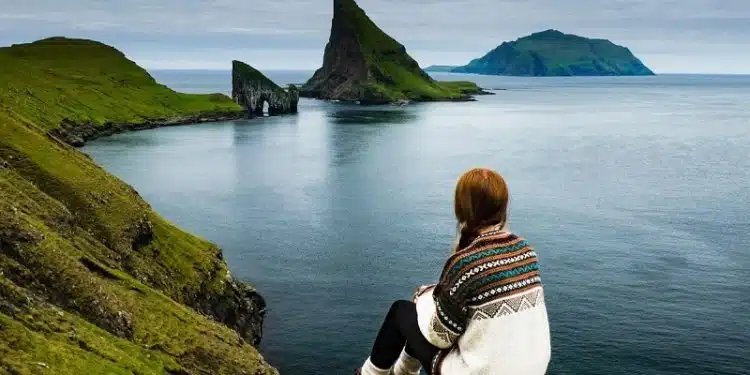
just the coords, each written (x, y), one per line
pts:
(77, 134)
(362, 63)
(241, 308)
(251, 89)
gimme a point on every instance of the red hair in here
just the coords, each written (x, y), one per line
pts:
(481, 201)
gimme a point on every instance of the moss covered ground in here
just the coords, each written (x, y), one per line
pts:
(85, 81)
(397, 76)
(92, 280)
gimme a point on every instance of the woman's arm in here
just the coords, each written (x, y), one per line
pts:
(441, 314)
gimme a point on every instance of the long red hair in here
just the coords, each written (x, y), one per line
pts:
(481, 201)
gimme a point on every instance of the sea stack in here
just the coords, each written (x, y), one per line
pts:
(363, 64)
(250, 89)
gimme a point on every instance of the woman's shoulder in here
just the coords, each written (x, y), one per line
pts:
(493, 240)
(494, 244)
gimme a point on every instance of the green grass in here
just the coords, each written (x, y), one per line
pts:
(92, 280)
(89, 82)
(244, 72)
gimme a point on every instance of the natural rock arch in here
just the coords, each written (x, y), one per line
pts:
(251, 89)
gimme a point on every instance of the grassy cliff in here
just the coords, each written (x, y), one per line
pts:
(363, 63)
(92, 280)
(65, 84)
(553, 53)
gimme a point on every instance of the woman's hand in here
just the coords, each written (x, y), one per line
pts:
(422, 290)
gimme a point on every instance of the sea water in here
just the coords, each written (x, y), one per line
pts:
(635, 192)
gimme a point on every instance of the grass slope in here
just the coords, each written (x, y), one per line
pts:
(553, 53)
(86, 82)
(92, 280)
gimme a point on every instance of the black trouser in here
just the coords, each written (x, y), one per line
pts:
(400, 329)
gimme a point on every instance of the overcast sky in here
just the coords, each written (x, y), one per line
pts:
(707, 36)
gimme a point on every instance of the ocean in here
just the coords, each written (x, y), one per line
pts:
(635, 192)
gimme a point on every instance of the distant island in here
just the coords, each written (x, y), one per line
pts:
(553, 53)
(363, 64)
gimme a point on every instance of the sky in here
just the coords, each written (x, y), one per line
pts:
(669, 36)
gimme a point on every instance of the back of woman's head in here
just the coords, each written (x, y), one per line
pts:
(481, 201)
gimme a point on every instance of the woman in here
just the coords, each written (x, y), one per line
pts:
(486, 315)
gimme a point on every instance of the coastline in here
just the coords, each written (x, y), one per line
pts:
(77, 134)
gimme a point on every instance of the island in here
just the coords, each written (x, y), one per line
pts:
(363, 64)
(554, 53)
(251, 89)
(92, 279)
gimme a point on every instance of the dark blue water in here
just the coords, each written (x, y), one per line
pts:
(634, 190)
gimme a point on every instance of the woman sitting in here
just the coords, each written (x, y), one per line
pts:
(486, 315)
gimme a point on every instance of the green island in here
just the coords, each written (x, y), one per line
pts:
(362, 63)
(92, 280)
(553, 53)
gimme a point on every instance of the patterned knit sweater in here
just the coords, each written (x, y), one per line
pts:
(487, 312)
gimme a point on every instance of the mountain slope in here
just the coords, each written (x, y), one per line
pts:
(553, 53)
(92, 280)
(81, 89)
(363, 63)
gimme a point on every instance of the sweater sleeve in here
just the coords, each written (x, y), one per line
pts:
(441, 315)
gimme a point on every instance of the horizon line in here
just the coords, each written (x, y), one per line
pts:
(480, 75)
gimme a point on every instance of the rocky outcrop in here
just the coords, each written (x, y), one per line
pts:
(362, 63)
(251, 89)
(77, 134)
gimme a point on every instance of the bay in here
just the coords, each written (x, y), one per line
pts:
(634, 191)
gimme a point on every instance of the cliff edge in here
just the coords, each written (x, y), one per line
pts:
(92, 280)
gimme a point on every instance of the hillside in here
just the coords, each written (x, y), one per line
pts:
(363, 63)
(92, 280)
(553, 53)
(82, 89)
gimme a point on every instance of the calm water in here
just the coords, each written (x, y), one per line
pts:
(635, 192)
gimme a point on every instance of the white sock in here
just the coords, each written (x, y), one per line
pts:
(369, 369)
(406, 365)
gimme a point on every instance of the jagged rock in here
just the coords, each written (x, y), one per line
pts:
(241, 308)
(250, 89)
(362, 63)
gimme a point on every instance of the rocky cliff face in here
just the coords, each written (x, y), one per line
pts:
(251, 89)
(362, 63)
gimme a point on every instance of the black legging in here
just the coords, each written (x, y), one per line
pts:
(400, 329)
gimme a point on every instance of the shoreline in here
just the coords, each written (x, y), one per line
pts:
(76, 134)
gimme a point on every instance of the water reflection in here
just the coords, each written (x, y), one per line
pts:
(351, 114)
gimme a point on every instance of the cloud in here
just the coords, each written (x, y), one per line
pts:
(669, 35)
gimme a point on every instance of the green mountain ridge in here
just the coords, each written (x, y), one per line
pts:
(92, 280)
(553, 53)
(363, 63)
(50, 83)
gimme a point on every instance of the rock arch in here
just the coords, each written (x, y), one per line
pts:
(250, 89)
